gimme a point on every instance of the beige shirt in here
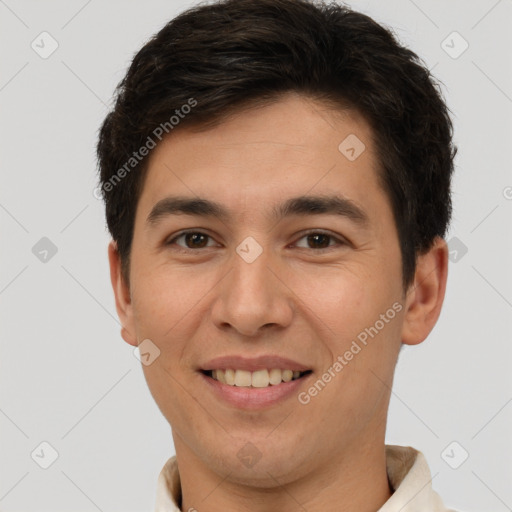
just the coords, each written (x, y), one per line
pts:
(407, 470)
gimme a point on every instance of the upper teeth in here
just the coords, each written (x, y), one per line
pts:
(257, 379)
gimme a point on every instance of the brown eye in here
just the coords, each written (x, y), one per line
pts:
(191, 240)
(195, 240)
(317, 240)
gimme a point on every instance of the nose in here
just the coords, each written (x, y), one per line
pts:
(253, 298)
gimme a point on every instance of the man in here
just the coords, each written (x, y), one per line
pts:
(277, 183)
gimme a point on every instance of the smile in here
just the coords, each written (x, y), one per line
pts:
(257, 379)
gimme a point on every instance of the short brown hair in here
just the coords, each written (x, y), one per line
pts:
(227, 54)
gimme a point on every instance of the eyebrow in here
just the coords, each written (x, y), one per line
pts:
(302, 205)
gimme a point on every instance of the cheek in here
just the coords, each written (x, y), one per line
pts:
(348, 299)
(362, 313)
(164, 297)
(165, 306)
(363, 338)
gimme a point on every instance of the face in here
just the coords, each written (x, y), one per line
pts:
(291, 253)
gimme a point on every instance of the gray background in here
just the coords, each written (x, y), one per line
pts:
(66, 376)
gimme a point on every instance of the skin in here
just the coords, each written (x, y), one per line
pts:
(294, 300)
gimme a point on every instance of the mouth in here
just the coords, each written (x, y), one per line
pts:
(258, 379)
(255, 383)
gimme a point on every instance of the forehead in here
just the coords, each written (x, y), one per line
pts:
(295, 146)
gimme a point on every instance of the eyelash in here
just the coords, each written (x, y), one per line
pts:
(340, 241)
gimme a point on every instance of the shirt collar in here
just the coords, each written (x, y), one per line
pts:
(407, 469)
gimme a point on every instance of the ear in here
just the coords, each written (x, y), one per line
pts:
(122, 295)
(426, 294)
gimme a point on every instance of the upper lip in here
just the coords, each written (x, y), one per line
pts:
(253, 364)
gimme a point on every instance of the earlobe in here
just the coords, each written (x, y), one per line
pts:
(122, 295)
(425, 296)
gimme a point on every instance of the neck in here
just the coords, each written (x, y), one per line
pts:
(353, 481)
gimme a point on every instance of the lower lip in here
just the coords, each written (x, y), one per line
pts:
(254, 398)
